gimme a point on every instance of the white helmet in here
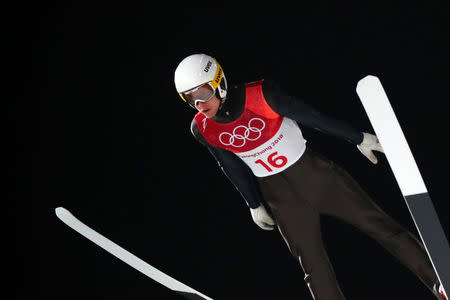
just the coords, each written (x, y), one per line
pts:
(198, 69)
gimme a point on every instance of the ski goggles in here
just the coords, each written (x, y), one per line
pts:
(202, 93)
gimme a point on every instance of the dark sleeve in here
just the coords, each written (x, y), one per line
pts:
(296, 109)
(235, 170)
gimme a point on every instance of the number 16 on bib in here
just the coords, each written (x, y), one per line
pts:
(406, 172)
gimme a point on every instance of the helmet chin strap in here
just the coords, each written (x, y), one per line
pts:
(221, 100)
(221, 89)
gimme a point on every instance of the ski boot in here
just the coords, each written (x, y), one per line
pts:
(439, 292)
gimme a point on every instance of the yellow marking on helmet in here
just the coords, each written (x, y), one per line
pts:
(218, 77)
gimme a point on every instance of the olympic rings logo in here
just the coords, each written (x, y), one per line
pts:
(243, 133)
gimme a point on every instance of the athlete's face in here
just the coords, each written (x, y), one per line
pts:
(208, 108)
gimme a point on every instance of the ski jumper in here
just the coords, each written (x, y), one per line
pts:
(261, 149)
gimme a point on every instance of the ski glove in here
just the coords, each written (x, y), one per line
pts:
(370, 143)
(262, 218)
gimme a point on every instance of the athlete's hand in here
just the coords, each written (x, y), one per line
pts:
(262, 218)
(370, 143)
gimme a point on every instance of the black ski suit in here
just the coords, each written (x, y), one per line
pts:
(312, 186)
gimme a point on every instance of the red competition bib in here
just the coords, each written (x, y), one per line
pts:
(267, 142)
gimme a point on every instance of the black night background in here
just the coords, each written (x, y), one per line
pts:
(99, 129)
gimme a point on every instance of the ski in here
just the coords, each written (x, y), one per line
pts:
(127, 257)
(406, 172)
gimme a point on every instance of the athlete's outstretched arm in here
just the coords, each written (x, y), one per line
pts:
(235, 170)
(296, 109)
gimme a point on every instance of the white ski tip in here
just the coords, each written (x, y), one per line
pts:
(366, 80)
(388, 131)
(61, 212)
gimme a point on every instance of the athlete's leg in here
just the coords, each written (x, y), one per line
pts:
(350, 203)
(299, 224)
